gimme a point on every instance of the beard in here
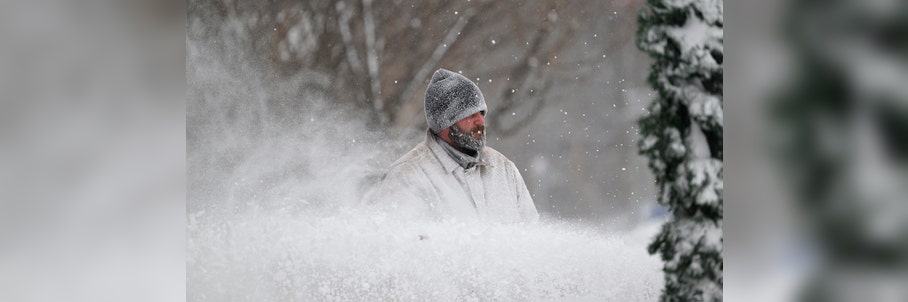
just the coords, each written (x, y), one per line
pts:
(468, 139)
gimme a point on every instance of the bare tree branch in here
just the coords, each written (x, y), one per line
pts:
(344, 26)
(385, 55)
(372, 62)
(540, 101)
(418, 80)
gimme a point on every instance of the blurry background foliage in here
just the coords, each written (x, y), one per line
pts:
(842, 120)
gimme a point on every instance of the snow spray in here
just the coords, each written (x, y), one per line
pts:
(276, 173)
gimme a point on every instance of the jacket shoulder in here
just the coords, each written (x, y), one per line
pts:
(412, 158)
(495, 157)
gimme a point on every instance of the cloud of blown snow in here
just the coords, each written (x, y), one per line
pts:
(276, 173)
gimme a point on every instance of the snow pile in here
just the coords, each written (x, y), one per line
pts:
(360, 255)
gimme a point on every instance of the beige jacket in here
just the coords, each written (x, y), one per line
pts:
(427, 181)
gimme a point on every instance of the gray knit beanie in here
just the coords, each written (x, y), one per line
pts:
(451, 97)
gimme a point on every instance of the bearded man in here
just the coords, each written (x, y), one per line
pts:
(452, 173)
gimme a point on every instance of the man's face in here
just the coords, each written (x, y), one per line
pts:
(469, 132)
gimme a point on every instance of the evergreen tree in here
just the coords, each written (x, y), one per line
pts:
(845, 118)
(682, 137)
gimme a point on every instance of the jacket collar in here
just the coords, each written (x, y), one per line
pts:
(446, 160)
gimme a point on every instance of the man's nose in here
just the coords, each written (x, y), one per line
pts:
(479, 119)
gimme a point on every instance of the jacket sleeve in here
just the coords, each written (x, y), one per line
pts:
(525, 205)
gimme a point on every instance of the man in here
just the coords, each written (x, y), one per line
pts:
(452, 174)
